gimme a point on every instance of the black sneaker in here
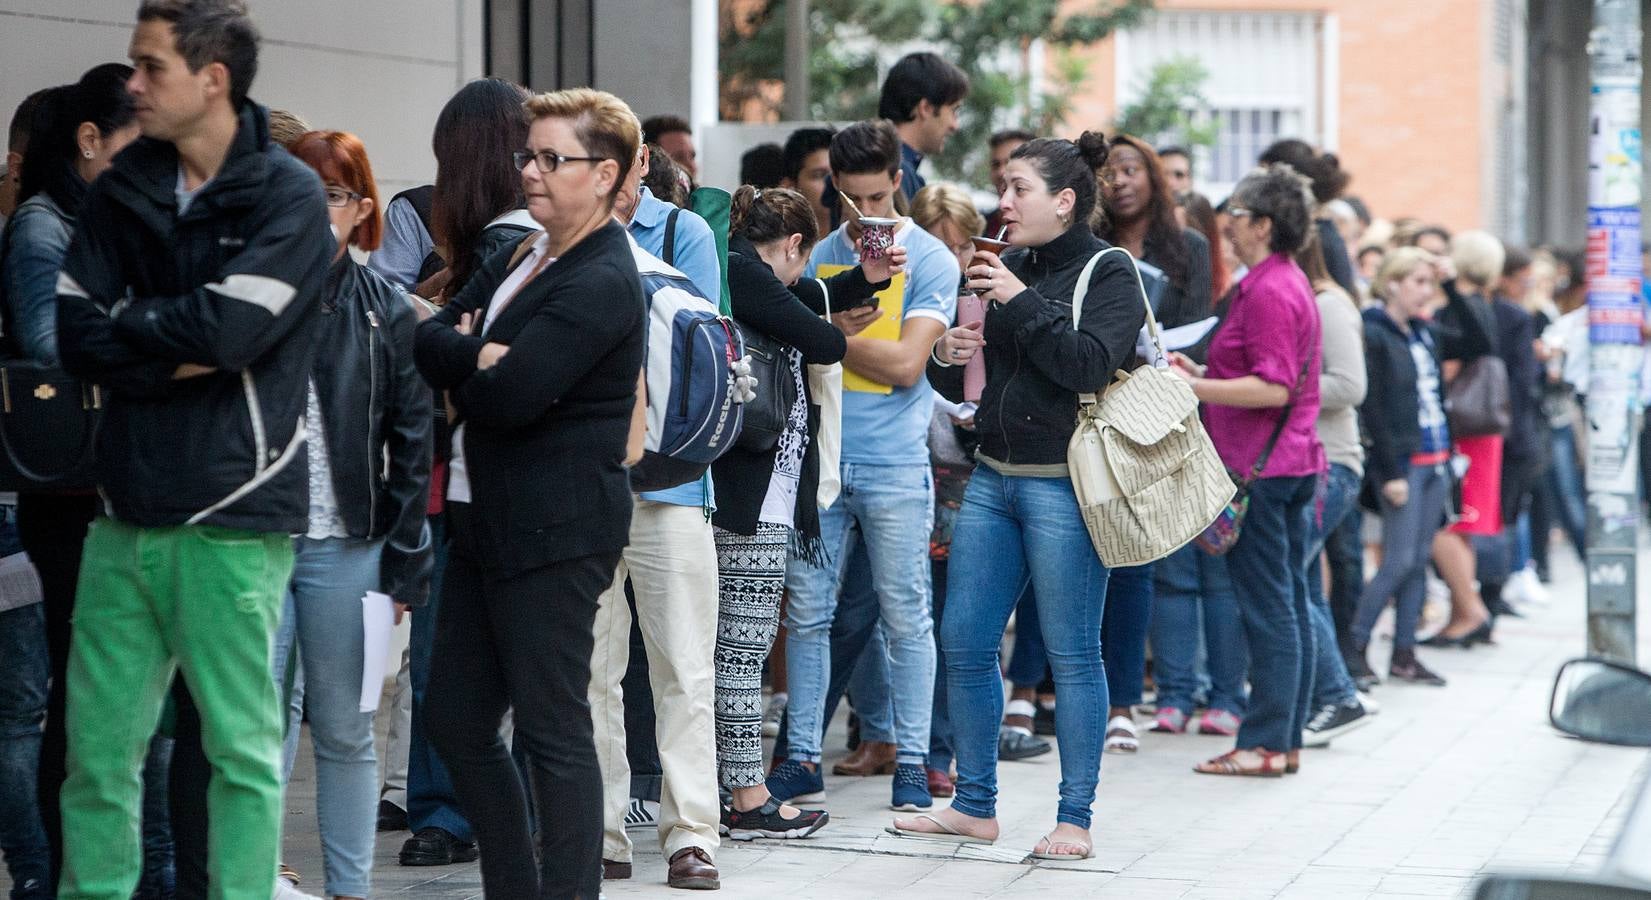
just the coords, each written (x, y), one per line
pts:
(766, 822)
(436, 847)
(1043, 721)
(1333, 721)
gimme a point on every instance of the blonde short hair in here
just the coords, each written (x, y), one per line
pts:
(604, 123)
(1398, 265)
(939, 203)
(1478, 256)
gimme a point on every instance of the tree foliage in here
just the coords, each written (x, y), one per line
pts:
(992, 40)
(1170, 104)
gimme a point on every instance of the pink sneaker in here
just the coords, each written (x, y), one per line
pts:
(1219, 721)
(1170, 721)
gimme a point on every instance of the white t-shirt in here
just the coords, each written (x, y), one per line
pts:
(458, 476)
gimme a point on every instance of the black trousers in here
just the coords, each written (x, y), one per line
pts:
(641, 738)
(52, 528)
(522, 642)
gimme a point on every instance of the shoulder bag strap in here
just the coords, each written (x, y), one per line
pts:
(1278, 427)
(1082, 291)
(669, 250)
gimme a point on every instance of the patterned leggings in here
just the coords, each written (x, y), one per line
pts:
(751, 572)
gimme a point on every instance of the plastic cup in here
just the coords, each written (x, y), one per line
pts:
(876, 237)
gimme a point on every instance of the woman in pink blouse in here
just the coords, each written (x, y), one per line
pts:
(1260, 392)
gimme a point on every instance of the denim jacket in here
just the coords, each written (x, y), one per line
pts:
(37, 238)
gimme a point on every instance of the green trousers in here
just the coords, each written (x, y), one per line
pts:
(202, 602)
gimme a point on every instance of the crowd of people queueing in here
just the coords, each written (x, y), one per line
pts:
(315, 396)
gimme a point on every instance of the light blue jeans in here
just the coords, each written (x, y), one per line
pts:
(1012, 528)
(893, 507)
(323, 619)
(1194, 599)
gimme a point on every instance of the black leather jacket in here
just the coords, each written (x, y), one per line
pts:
(375, 410)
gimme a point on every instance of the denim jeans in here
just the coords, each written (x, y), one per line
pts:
(894, 508)
(1012, 528)
(1194, 599)
(1407, 545)
(322, 618)
(870, 688)
(430, 800)
(1565, 480)
(1331, 683)
(1269, 562)
(22, 714)
(1124, 629)
(852, 629)
(159, 879)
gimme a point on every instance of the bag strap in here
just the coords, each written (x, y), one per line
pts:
(826, 292)
(1082, 292)
(522, 249)
(670, 237)
(1278, 427)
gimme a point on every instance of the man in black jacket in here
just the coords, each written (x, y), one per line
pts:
(187, 295)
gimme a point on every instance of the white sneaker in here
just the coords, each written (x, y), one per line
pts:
(1525, 588)
(771, 715)
(642, 814)
(284, 890)
(1369, 703)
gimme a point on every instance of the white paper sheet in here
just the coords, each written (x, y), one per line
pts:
(964, 410)
(378, 619)
(1178, 338)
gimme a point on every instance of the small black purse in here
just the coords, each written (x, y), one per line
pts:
(48, 428)
(766, 413)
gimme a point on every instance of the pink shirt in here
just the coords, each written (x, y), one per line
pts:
(1272, 329)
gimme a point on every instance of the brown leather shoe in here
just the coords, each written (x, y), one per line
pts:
(692, 869)
(870, 758)
(615, 871)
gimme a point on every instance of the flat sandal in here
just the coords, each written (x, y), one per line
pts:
(1272, 764)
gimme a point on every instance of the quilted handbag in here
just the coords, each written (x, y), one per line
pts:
(1147, 478)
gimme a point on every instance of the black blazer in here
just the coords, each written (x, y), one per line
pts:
(546, 426)
(1390, 414)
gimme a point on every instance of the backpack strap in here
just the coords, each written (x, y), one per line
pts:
(1081, 292)
(669, 254)
(522, 249)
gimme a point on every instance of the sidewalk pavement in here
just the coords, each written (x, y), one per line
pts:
(1445, 784)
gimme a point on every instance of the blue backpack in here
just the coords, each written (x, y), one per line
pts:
(690, 354)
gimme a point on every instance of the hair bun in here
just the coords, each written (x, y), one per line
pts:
(1093, 146)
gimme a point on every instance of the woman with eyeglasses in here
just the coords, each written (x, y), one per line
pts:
(541, 354)
(368, 428)
(1260, 391)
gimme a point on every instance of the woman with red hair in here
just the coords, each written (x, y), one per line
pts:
(366, 535)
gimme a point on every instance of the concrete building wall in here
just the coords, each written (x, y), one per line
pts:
(379, 68)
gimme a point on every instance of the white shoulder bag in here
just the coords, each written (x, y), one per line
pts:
(1147, 478)
(825, 385)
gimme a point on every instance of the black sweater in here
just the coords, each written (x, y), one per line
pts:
(1037, 363)
(545, 427)
(791, 315)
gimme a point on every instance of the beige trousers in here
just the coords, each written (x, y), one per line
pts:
(672, 566)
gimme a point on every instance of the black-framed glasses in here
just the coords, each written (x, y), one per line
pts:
(338, 197)
(549, 160)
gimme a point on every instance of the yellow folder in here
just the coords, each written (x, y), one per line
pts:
(886, 328)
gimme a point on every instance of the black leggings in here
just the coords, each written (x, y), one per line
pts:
(522, 642)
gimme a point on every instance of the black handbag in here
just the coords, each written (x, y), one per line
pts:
(766, 413)
(48, 428)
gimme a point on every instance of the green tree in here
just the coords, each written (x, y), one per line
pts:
(992, 40)
(1171, 100)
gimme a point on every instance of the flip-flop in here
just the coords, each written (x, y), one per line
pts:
(946, 833)
(1049, 841)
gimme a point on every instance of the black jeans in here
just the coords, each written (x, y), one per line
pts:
(521, 642)
(52, 528)
(641, 739)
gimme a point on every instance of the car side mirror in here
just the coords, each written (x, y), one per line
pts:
(1602, 701)
(1505, 887)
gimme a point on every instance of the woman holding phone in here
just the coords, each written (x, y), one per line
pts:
(1020, 518)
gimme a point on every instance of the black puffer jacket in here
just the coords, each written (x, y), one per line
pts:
(375, 410)
(231, 285)
(1037, 363)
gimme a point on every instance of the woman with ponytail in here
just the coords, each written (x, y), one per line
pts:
(1020, 518)
(766, 498)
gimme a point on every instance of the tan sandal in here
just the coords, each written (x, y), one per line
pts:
(1049, 843)
(1272, 764)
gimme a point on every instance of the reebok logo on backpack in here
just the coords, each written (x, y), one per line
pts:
(693, 366)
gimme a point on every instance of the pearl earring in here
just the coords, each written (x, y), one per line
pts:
(86, 153)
